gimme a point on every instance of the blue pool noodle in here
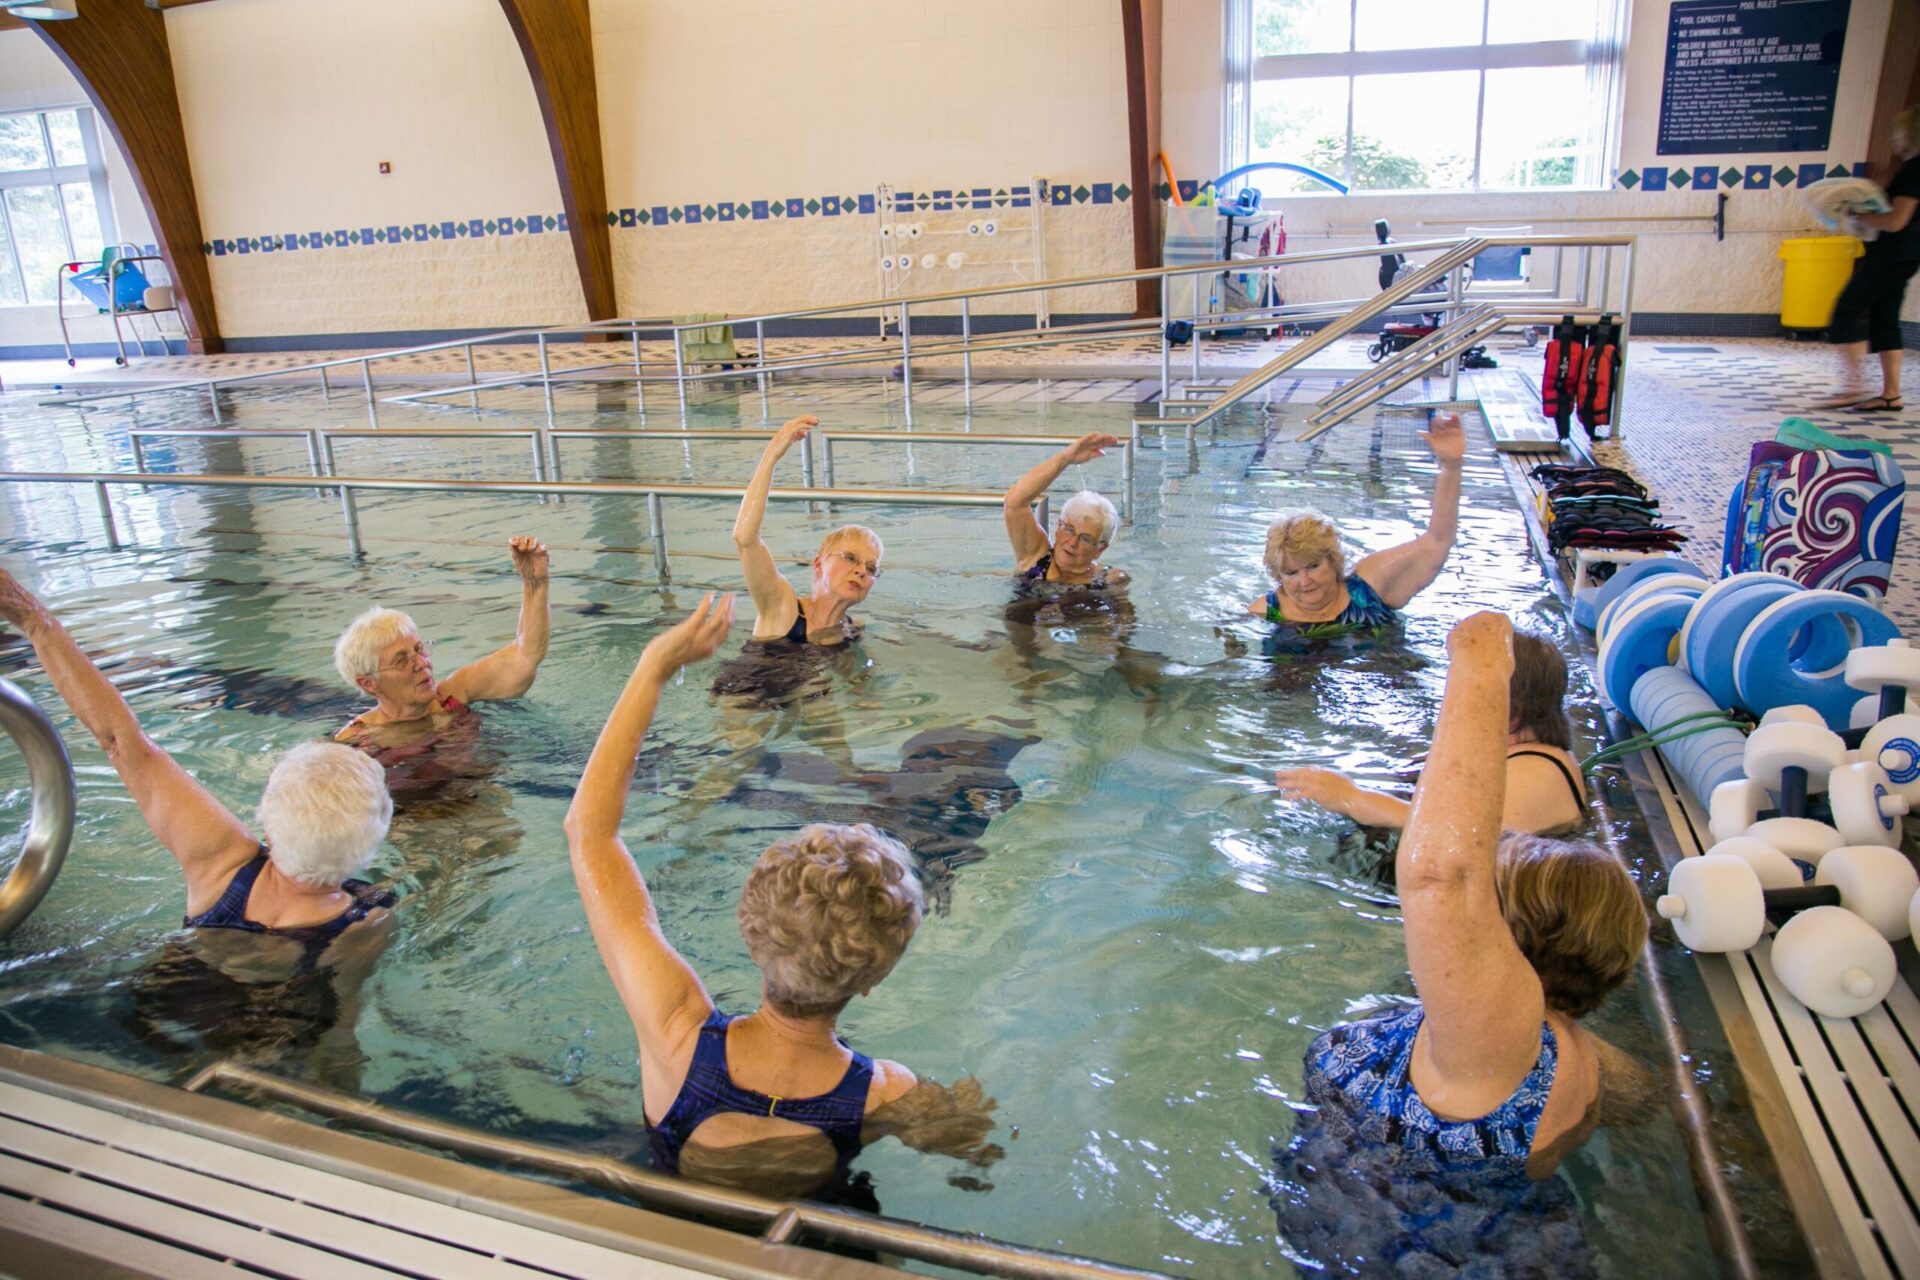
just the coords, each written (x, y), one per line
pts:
(1705, 760)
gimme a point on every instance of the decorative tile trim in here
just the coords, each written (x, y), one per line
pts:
(787, 208)
(1751, 177)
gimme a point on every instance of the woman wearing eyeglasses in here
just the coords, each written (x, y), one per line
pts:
(844, 568)
(382, 654)
(1085, 528)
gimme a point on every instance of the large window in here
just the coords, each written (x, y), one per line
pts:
(1424, 95)
(54, 206)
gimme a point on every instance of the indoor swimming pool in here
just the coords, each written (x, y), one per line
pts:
(1132, 940)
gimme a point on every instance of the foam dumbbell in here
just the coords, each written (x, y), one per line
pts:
(1834, 962)
(1718, 904)
(1791, 759)
(1894, 744)
(1736, 806)
(1889, 672)
(1866, 808)
(1772, 868)
(1875, 882)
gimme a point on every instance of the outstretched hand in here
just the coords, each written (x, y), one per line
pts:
(693, 640)
(1327, 788)
(17, 604)
(1446, 437)
(792, 431)
(1090, 446)
(529, 558)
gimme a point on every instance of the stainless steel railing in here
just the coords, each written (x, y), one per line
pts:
(50, 824)
(655, 495)
(777, 1222)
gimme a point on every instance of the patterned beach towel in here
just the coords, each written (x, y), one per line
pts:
(1826, 518)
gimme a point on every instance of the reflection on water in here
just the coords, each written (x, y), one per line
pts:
(1138, 940)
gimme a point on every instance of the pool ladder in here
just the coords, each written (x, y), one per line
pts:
(50, 827)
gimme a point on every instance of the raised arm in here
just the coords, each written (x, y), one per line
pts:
(1483, 1001)
(508, 672)
(199, 831)
(1403, 572)
(659, 989)
(1023, 528)
(773, 599)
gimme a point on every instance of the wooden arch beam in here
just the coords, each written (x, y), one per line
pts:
(556, 38)
(117, 50)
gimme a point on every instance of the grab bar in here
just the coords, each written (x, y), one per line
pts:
(777, 1221)
(50, 828)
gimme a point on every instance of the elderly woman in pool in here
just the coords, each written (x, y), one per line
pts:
(325, 811)
(1511, 941)
(826, 914)
(1544, 791)
(1311, 581)
(1085, 528)
(382, 654)
(844, 568)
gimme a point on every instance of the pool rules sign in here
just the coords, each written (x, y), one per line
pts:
(1750, 75)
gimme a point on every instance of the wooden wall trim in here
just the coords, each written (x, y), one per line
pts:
(1140, 31)
(556, 38)
(1899, 84)
(117, 50)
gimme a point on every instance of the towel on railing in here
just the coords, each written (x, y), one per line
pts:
(711, 342)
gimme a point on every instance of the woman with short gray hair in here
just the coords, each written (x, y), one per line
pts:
(1085, 529)
(325, 809)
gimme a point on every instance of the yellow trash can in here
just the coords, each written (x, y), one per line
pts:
(1817, 270)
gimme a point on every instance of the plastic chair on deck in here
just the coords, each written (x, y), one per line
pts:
(1503, 264)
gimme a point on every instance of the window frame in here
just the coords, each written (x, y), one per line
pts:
(92, 172)
(1602, 56)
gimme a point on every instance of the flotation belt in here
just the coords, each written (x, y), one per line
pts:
(1560, 380)
(1602, 370)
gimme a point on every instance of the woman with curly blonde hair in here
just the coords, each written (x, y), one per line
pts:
(826, 914)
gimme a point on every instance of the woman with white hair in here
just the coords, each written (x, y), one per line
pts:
(1316, 596)
(1083, 532)
(826, 914)
(382, 654)
(844, 568)
(325, 809)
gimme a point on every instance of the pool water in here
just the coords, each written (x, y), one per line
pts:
(1134, 943)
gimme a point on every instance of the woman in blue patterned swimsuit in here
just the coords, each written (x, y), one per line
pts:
(773, 1100)
(1430, 1127)
(1316, 598)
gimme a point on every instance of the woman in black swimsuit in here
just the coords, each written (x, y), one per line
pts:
(1544, 792)
(844, 568)
(325, 810)
(1072, 555)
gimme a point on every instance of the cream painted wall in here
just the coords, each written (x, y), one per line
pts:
(290, 106)
(1677, 270)
(32, 78)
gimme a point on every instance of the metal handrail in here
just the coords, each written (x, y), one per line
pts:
(653, 493)
(1324, 337)
(1457, 339)
(777, 1221)
(50, 826)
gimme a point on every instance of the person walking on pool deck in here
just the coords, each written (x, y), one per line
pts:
(1488, 1078)
(1866, 318)
(844, 568)
(1085, 528)
(1545, 794)
(826, 914)
(382, 654)
(325, 810)
(1313, 590)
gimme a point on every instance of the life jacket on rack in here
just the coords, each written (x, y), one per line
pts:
(1601, 373)
(1560, 380)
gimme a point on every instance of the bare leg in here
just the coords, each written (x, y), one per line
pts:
(1853, 376)
(1890, 374)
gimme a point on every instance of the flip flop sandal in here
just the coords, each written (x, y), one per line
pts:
(1879, 404)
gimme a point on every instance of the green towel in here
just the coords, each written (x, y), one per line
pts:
(1802, 434)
